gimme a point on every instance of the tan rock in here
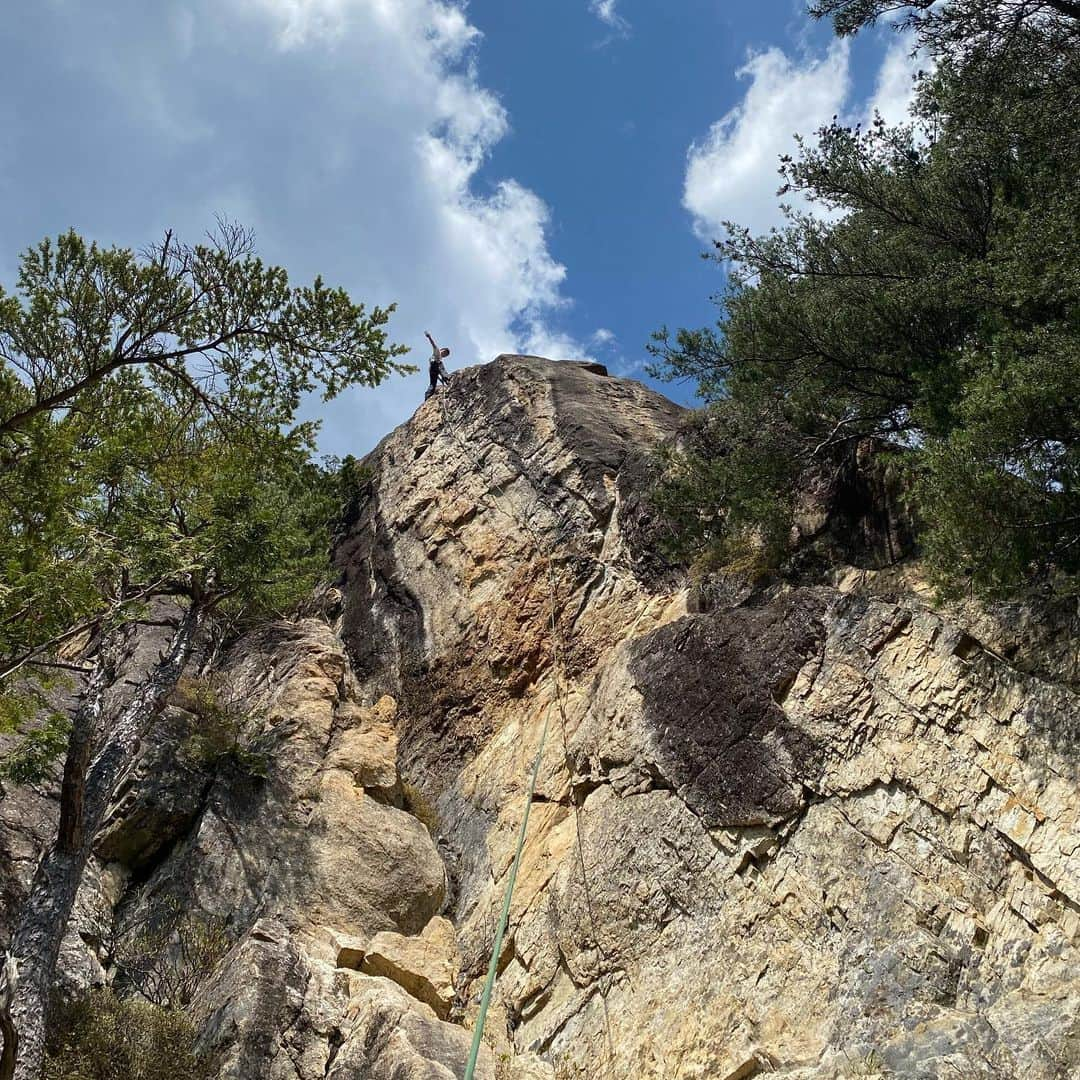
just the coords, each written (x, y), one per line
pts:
(424, 966)
(369, 755)
(349, 950)
(802, 824)
(368, 865)
(529, 1067)
(392, 1036)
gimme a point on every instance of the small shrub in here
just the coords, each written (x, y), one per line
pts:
(104, 1037)
(165, 956)
(26, 710)
(33, 756)
(223, 739)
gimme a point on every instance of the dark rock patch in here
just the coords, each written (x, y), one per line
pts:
(711, 685)
(157, 799)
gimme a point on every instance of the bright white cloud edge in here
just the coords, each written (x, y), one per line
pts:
(605, 11)
(731, 174)
(474, 268)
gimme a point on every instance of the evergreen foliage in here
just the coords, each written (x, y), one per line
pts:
(152, 462)
(149, 445)
(934, 307)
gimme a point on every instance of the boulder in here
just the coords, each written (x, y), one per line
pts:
(423, 966)
(368, 865)
(392, 1036)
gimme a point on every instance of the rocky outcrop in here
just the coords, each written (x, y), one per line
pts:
(824, 829)
(316, 851)
(287, 840)
(424, 965)
(816, 831)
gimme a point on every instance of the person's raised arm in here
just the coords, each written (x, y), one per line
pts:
(427, 334)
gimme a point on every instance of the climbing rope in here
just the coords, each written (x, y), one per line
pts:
(504, 915)
(525, 524)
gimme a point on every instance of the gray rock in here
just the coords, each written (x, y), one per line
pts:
(395, 1037)
(158, 798)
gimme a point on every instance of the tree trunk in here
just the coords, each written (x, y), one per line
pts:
(7, 1028)
(85, 797)
(1066, 7)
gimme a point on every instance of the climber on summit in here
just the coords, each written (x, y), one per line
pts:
(436, 368)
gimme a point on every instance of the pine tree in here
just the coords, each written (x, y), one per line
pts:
(150, 454)
(936, 310)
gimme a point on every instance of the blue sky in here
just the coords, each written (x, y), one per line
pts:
(534, 175)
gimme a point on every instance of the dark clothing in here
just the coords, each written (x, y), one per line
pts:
(437, 373)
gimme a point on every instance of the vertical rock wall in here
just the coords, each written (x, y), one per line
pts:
(822, 831)
(824, 834)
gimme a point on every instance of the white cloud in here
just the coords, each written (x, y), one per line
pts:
(895, 89)
(605, 11)
(602, 337)
(731, 175)
(473, 267)
(347, 133)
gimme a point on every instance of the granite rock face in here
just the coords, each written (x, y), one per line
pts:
(425, 964)
(820, 830)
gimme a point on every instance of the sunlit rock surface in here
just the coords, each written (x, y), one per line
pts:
(820, 830)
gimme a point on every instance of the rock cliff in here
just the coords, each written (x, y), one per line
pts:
(823, 829)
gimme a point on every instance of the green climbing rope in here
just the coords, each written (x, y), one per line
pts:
(525, 524)
(504, 915)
